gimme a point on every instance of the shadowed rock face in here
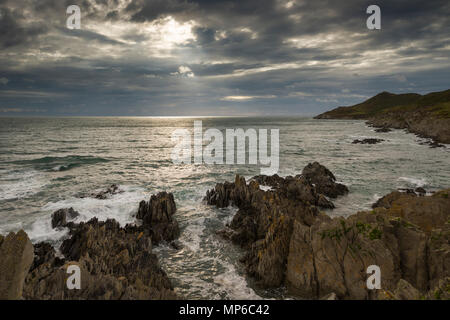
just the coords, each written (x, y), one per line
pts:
(115, 263)
(62, 216)
(16, 257)
(265, 219)
(157, 217)
(324, 180)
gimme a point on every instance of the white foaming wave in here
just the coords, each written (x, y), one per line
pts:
(234, 284)
(417, 182)
(41, 230)
(191, 236)
(120, 206)
(15, 185)
(265, 188)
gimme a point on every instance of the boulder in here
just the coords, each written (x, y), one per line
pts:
(16, 257)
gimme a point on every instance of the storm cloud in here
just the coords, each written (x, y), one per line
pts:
(204, 57)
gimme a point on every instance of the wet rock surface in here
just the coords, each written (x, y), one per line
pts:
(368, 141)
(105, 194)
(61, 217)
(383, 130)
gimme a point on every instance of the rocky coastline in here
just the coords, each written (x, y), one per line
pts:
(116, 263)
(427, 116)
(288, 240)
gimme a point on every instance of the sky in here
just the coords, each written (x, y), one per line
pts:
(222, 58)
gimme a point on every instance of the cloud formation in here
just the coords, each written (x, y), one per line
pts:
(204, 57)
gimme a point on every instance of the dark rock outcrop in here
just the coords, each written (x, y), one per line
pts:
(324, 180)
(16, 257)
(62, 216)
(264, 222)
(115, 263)
(157, 217)
(104, 194)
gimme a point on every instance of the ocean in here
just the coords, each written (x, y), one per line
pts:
(51, 163)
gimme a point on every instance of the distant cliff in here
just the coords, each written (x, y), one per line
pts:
(426, 115)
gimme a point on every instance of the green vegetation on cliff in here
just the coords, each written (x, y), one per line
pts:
(436, 104)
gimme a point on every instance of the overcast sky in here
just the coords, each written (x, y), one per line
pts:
(205, 57)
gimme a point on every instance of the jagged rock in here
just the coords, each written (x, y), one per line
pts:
(105, 194)
(115, 263)
(405, 291)
(157, 217)
(324, 180)
(62, 216)
(264, 222)
(367, 141)
(16, 257)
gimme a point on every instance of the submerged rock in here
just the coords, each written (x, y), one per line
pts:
(16, 257)
(367, 141)
(105, 194)
(383, 130)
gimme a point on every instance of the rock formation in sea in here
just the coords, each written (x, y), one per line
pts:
(115, 262)
(290, 242)
(265, 219)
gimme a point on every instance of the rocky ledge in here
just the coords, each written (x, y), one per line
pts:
(115, 262)
(290, 242)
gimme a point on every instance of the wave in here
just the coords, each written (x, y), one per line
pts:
(415, 182)
(16, 185)
(61, 163)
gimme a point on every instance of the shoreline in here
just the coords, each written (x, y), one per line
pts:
(272, 239)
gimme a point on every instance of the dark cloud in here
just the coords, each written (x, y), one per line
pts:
(163, 57)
